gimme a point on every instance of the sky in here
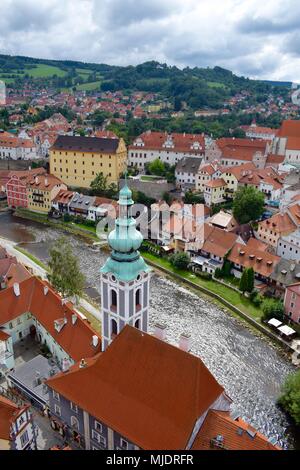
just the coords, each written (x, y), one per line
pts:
(254, 38)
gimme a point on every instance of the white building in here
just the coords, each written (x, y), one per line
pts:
(288, 246)
(169, 148)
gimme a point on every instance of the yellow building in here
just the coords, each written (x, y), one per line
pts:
(77, 160)
(214, 191)
(233, 175)
(41, 191)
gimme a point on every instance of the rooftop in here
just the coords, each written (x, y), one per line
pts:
(86, 144)
(138, 390)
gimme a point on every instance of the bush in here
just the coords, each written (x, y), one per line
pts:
(290, 398)
(204, 275)
(67, 217)
(256, 298)
(180, 260)
(272, 308)
(218, 273)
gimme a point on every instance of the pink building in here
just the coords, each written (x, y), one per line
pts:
(292, 302)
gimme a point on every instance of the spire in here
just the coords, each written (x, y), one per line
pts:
(125, 240)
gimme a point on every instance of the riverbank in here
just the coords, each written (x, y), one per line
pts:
(230, 298)
(76, 229)
(40, 269)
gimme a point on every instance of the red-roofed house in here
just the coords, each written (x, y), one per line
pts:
(32, 307)
(169, 148)
(16, 426)
(292, 302)
(221, 432)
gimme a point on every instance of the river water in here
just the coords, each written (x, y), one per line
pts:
(248, 366)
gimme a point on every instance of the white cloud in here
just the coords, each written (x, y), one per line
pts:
(252, 38)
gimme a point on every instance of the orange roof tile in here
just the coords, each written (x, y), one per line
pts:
(231, 434)
(217, 241)
(289, 128)
(8, 412)
(218, 183)
(182, 142)
(280, 223)
(75, 339)
(150, 392)
(262, 262)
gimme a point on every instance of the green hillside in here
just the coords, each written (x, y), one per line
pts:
(195, 87)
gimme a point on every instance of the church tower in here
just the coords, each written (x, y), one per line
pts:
(125, 277)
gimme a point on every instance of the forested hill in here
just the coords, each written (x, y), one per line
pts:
(197, 87)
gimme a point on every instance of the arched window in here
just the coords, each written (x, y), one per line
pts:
(114, 328)
(137, 324)
(114, 299)
(74, 423)
(138, 297)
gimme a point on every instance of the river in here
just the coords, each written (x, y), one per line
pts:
(248, 366)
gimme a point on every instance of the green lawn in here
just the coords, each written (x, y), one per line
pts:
(43, 70)
(33, 258)
(88, 86)
(96, 324)
(83, 226)
(225, 292)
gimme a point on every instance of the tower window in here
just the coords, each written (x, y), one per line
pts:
(138, 299)
(137, 324)
(114, 300)
(114, 328)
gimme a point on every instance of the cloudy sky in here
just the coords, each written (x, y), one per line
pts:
(254, 38)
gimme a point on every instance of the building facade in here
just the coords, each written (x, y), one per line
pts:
(169, 148)
(77, 160)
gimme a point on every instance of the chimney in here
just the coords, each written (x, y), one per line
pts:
(65, 364)
(37, 180)
(17, 289)
(82, 364)
(74, 318)
(95, 341)
(160, 331)
(46, 290)
(185, 342)
(46, 182)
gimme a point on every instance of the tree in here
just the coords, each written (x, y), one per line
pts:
(272, 308)
(250, 280)
(244, 281)
(99, 185)
(180, 260)
(65, 275)
(248, 204)
(157, 167)
(290, 398)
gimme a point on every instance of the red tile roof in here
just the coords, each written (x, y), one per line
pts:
(241, 149)
(262, 262)
(182, 142)
(220, 431)
(217, 241)
(218, 183)
(75, 339)
(148, 391)
(289, 128)
(279, 223)
(8, 413)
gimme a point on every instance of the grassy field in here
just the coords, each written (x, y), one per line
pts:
(43, 71)
(88, 86)
(235, 298)
(216, 85)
